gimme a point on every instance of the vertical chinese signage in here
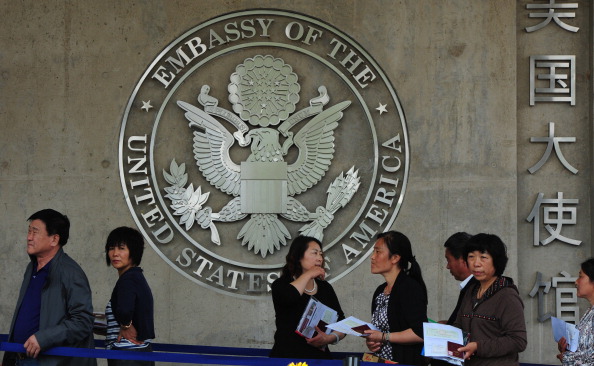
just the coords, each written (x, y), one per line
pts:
(550, 26)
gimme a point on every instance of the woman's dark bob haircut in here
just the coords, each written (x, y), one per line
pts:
(492, 245)
(298, 247)
(588, 268)
(129, 237)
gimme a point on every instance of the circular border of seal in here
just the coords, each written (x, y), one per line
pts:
(298, 17)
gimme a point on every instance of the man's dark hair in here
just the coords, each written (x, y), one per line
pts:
(55, 223)
(456, 243)
(132, 238)
(491, 244)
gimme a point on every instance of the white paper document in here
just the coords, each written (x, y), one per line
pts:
(352, 326)
(562, 328)
(315, 315)
(442, 342)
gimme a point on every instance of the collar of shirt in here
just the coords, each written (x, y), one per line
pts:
(45, 269)
(465, 282)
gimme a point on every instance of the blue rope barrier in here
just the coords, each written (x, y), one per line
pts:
(208, 359)
(215, 350)
(180, 353)
(186, 348)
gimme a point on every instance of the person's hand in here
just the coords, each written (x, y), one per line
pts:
(562, 345)
(320, 340)
(374, 340)
(469, 350)
(129, 333)
(374, 336)
(32, 347)
(316, 272)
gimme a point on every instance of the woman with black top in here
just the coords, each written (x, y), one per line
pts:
(129, 313)
(399, 305)
(302, 277)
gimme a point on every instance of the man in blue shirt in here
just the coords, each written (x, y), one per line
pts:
(54, 307)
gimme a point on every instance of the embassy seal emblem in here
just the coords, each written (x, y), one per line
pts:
(251, 129)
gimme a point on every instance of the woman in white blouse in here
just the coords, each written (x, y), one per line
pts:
(585, 289)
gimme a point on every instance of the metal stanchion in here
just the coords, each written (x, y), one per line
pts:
(351, 361)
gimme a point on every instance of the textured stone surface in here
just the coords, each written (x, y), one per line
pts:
(460, 69)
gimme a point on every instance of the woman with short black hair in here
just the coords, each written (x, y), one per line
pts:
(491, 311)
(129, 313)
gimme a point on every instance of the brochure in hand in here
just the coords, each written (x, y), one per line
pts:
(315, 315)
(561, 328)
(352, 326)
(442, 342)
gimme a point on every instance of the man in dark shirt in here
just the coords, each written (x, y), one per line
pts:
(456, 263)
(54, 307)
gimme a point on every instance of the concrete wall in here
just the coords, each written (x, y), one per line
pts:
(460, 68)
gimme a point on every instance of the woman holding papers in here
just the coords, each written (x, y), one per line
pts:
(585, 289)
(301, 279)
(491, 312)
(399, 306)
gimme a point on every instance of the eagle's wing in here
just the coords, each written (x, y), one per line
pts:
(316, 149)
(211, 150)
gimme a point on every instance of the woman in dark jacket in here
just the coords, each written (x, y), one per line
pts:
(399, 306)
(491, 311)
(302, 277)
(129, 313)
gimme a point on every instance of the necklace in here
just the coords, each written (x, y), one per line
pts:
(313, 289)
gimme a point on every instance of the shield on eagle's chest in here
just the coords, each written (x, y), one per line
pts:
(263, 187)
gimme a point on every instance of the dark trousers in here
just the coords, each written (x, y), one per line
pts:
(18, 359)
